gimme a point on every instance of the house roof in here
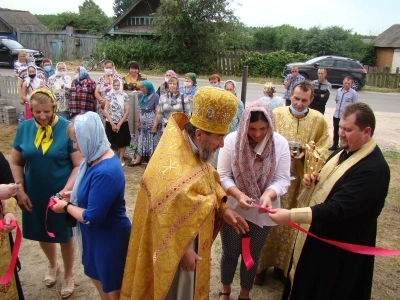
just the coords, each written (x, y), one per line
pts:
(121, 17)
(389, 38)
(21, 19)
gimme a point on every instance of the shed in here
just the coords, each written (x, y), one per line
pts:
(387, 48)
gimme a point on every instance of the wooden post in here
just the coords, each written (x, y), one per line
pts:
(223, 63)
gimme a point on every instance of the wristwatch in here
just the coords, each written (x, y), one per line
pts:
(66, 206)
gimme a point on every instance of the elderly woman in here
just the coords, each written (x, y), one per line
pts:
(147, 122)
(173, 101)
(269, 98)
(189, 87)
(103, 225)
(254, 166)
(81, 97)
(163, 88)
(230, 86)
(8, 209)
(31, 82)
(104, 86)
(45, 163)
(133, 79)
(60, 85)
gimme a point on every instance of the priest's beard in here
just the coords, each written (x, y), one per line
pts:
(205, 154)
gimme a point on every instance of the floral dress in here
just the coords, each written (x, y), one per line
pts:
(61, 86)
(105, 88)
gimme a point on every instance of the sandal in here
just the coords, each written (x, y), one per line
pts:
(223, 294)
(50, 278)
(67, 288)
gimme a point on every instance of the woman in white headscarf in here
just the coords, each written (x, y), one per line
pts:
(31, 82)
(103, 228)
(60, 85)
(116, 112)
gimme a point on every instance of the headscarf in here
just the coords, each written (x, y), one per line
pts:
(120, 90)
(149, 90)
(192, 77)
(173, 97)
(44, 134)
(57, 72)
(49, 71)
(93, 143)
(173, 74)
(83, 74)
(35, 82)
(234, 85)
(254, 172)
(113, 67)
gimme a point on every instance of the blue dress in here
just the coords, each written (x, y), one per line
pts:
(44, 176)
(106, 228)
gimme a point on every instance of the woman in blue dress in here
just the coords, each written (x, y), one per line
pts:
(97, 202)
(45, 163)
(147, 122)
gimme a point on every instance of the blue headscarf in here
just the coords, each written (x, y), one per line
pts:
(149, 90)
(83, 74)
(93, 143)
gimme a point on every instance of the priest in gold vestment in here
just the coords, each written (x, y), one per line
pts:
(301, 124)
(11, 290)
(180, 205)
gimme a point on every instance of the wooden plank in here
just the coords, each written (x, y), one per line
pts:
(223, 64)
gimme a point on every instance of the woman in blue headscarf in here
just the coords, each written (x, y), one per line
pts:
(147, 122)
(97, 203)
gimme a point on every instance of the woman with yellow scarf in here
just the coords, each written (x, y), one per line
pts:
(44, 161)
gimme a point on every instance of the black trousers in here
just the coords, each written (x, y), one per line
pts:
(336, 131)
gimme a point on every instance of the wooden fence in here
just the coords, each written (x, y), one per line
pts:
(382, 77)
(59, 46)
(228, 63)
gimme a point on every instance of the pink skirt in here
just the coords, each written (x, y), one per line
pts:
(28, 113)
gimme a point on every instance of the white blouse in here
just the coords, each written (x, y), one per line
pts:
(279, 184)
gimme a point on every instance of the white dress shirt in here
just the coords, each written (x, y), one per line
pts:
(279, 184)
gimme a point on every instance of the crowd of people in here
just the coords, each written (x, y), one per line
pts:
(79, 130)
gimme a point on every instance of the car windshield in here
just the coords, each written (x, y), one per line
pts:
(313, 60)
(12, 44)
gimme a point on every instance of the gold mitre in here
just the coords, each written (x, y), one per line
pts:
(213, 109)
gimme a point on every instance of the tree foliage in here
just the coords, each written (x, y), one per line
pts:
(192, 32)
(90, 16)
(316, 41)
(120, 6)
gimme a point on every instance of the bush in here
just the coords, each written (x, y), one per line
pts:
(270, 64)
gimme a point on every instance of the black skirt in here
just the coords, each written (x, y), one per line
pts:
(119, 139)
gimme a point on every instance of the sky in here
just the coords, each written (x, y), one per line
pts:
(366, 17)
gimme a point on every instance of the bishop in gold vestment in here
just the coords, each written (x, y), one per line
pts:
(180, 205)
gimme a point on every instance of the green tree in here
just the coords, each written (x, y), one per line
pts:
(92, 17)
(192, 32)
(265, 37)
(120, 6)
(58, 21)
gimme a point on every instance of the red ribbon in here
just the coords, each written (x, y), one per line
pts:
(51, 203)
(359, 249)
(14, 255)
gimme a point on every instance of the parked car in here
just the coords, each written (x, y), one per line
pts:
(10, 48)
(337, 67)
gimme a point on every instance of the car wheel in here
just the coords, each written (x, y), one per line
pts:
(356, 85)
(304, 75)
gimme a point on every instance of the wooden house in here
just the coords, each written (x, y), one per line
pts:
(135, 21)
(387, 47)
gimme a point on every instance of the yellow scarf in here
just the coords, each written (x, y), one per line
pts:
(44, 136)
